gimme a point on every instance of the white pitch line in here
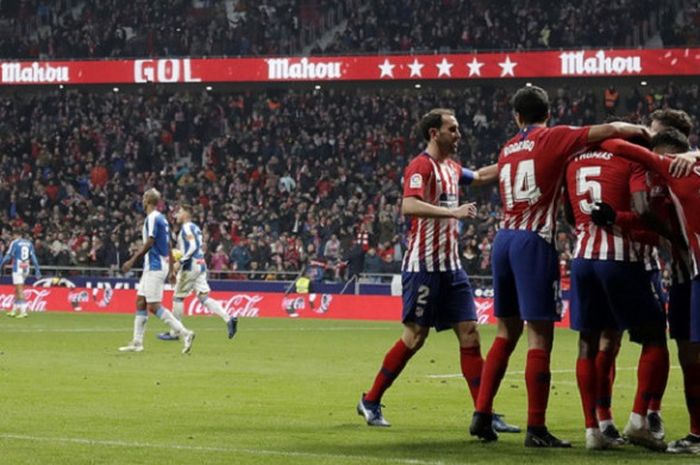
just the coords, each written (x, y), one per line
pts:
(260, 452)
(253, 330)
(522, 372)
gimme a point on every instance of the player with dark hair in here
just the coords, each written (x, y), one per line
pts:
(654, 206)
(436, 290)
(190, 270)
(21, 252)
(157, 256)
(671, 118)
(684, 312)
(524, 260)
(606, 291)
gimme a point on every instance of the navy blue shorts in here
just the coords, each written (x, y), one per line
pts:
(607, 294)
(438, 299)
(657, 287)
(679, 311)
(695, 310)
(525, 277)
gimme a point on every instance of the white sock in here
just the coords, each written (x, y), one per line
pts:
(170, 320)
(24, 307)
(140, 327)
(178, 308)
(605, 423)
(215, 307)
(637, 420)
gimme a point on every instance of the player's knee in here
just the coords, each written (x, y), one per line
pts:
(202, 297)
(153, 307)
(610, 341)
(468, 334)
(510, 328)
(587, 345)
(414, 337)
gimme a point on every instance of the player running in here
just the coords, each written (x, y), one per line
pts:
(607, 291)
(191, 270)
(21, 252)
(156, 253)
(684, 311)
(524, 260)
(436, 290)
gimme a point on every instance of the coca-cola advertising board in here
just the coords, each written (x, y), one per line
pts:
(502, 65)
(239, 304)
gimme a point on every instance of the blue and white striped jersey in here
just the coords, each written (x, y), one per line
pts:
(156, 226)
(189, 241)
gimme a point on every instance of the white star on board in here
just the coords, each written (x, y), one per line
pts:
(444, 68)
(416, 67)
(475, 67)
(507, 67)
(387, 69)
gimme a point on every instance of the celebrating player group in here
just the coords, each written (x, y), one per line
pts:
(632, 192)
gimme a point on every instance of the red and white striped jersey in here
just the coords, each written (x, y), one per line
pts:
(685, 191)
(600, 176)
(531, 174)
(432, 242)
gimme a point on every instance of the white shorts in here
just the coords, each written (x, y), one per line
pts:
(152, 284)
(18, 277)
(187, 281)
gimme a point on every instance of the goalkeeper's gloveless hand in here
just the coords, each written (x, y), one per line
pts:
(603, 214)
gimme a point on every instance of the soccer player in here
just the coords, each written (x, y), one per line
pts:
(21, 252)
(436, 290)
(524, 260)
(684, 306)
(156, 253)
(607, 291)
(191, 270)
(655, 207)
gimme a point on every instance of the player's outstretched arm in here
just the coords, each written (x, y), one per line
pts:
(413, 206)
(617, 130)
(485, 175)
(142, 251)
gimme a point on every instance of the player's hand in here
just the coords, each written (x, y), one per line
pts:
(467, 210)
(682, 165)
(603, 214)
(126, 267)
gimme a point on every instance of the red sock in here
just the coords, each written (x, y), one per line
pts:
(647, 384)
(472, 363)
(494, 368)
(585, 377)
(537, 379)
(691, 383)
(394, 361)
(604, 369)
(660, 380)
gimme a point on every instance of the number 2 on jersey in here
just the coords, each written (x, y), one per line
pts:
(525, 184)
(587, 186)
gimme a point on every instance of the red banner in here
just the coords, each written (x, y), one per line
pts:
(549, 64)
(240, 304)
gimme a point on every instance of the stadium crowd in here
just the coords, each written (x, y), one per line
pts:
(279, 179)
(110, 28)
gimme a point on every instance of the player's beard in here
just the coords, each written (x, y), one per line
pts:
(448, 148)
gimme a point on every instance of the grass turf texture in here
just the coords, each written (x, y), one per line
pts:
(283, 391)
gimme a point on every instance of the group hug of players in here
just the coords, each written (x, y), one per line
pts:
(630, 190)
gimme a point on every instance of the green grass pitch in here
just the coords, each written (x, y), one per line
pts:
(282, 392)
